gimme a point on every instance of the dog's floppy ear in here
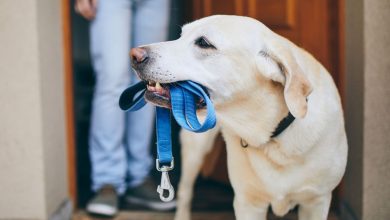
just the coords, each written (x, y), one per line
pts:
(284, 68)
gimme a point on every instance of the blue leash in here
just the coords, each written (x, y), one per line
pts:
(183, 102)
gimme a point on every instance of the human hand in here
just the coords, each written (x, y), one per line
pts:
(86, 8)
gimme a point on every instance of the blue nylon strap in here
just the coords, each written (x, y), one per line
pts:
(183, 102)
(184, 96)
(164, 144)
(132, 99)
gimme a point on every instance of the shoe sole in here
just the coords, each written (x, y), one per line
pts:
(158, 206)
(101, 209)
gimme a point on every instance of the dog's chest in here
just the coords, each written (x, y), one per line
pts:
(282, 187)
(281, 181)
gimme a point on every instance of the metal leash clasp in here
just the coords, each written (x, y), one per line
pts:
(165, 185)
(165, 182)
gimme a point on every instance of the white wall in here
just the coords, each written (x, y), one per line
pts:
(376, 163)
(32, 136)
(367, 185)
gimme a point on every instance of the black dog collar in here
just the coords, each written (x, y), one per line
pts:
(283, 124)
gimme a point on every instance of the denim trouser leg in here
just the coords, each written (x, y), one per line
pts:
(110, 34)
(112, 131)
(150, 25)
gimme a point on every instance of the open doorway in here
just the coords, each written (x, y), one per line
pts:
(83, 88)
(316, 26)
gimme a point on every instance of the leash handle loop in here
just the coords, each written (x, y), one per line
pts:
(184, 107)
(135, 94)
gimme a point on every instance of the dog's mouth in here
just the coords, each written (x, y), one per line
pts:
(159, 94)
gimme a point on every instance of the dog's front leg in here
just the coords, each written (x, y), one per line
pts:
(194, 147)
(316, 209)
(244, 210)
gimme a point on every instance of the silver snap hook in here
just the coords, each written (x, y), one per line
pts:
(165, 185)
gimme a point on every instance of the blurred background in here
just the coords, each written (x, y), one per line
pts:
(47, 84)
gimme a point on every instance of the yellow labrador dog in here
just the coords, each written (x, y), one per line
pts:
(257, 81)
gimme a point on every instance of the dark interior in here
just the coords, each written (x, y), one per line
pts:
(83, 91)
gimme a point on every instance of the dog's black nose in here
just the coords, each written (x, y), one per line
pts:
(139, 55)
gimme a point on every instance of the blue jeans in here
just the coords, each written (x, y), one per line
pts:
(119, 142)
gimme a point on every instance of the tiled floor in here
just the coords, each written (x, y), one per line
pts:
(212, 201)
(145, 215)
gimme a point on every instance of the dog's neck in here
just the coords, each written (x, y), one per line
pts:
(253, 117)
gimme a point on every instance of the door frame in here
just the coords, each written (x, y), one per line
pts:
(69, 100)
(66, 8)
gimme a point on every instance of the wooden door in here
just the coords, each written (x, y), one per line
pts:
(311, 24)
(315, 25)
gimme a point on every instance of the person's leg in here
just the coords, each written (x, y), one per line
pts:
(150, 24)
(110, 44)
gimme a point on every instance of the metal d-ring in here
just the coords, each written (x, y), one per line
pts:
(243, 143)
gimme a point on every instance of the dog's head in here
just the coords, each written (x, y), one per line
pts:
(228, 55)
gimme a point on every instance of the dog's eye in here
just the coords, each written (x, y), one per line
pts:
(202, 42)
